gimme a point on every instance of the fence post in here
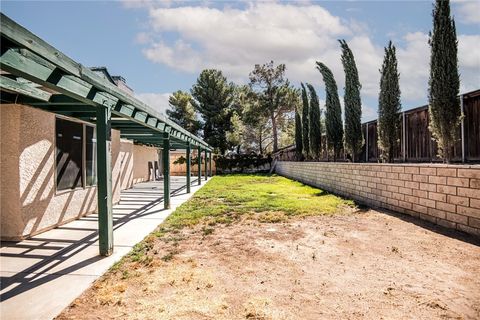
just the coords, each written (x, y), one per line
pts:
(404, 138)
(462, 137)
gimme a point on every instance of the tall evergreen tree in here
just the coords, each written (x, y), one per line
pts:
(182, 112)
(315, 136)
(333, 112)
(352, 102)
(213, 100)
(444, 83)
(305, 121)
(298, 134)
(389, 105)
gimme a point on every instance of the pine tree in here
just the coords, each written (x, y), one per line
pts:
(305, 121)
(444, 82)
(213, 100)
(333, 112)
(182, 111)
(352, 102)
(298, 135)
(315, 136)
(389, 105)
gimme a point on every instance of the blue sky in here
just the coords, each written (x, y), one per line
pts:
(160, 47)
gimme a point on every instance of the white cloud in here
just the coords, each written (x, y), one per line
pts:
(234, 40)
(469, 61)
(158, 101)
(413, 65)
(468, 10)
(191, 37)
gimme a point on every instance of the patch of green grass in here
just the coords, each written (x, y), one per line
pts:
(225, 199)
(169, 256)
(270, 198)
(207, 231)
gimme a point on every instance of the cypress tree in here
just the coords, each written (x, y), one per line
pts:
(444, 82)
(389, 104)
(352, 102)
(305, 121)
(333, 112)
(298, 134)
(315, 136)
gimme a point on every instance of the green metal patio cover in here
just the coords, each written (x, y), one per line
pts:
(61, 85)
(35, 73)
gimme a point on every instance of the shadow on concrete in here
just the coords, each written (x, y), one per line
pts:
(38, 273)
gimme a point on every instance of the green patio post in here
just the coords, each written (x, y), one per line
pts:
(210, 166)
(189, 169)
(104, 181)
(166, 170)
(199, 165)
(206, 165)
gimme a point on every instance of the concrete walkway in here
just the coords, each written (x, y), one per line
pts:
(43, 275)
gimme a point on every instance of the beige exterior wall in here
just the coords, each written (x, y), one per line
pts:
(142, 155)
(448, 195)
(29, 200)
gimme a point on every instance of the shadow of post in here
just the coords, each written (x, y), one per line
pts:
(38, 273)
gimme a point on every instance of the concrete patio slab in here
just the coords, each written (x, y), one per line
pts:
(42, 275)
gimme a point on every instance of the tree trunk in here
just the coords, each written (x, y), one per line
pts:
(274, 128)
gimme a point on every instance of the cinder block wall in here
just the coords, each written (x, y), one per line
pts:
(448, 195)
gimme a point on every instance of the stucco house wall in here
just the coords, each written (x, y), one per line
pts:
(142, 155)
(29, 200)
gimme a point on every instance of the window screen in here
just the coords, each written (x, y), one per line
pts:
(69, 143)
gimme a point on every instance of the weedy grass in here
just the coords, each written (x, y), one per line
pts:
(229, 198)
(268, 198)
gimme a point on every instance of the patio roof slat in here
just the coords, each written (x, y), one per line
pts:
(24, 88)
(66, 69)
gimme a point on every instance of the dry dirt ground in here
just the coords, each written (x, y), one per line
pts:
(366, 265)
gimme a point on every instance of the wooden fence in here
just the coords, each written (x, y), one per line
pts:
(415, 139)
(415, 143)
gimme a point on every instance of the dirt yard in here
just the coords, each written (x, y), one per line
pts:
(364, 265)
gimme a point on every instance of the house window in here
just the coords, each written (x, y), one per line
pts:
(91, 155)
(75, 154)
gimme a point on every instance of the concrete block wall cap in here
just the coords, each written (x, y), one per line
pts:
(428, 165)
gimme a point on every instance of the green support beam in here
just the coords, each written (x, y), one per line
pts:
(166, 171)
(26, 55)
(199, 153)
(189, 167)
(23, 88)
(206, 165)
(104, 184)
(210, 171)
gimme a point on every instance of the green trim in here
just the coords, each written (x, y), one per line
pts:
(23, 88)
(189, 167)
(104, 182)
(166, 171)
(33, 59)
(206, 165)
(199, 166)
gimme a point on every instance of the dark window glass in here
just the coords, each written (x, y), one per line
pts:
(69, 143)
(90, 155)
